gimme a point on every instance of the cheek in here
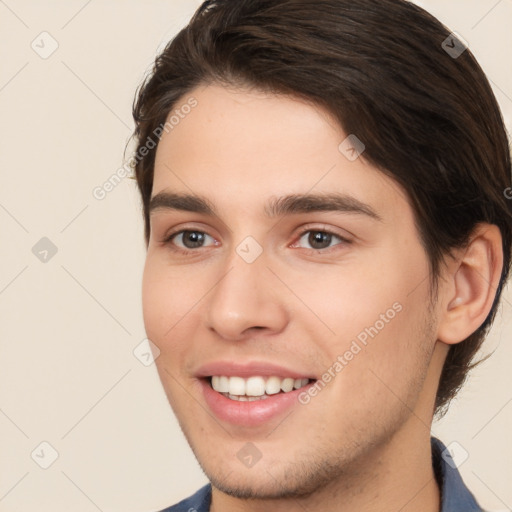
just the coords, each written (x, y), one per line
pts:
(168, 299)
(154, 299)
(378, 310)
(349, 299)
(390, 353)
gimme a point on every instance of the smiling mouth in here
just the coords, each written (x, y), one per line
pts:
(254, 388)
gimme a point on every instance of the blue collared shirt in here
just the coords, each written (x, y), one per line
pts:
(455, 496)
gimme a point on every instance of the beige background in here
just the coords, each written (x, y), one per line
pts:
(68, 375)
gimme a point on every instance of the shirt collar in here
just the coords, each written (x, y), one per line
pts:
(455, 496)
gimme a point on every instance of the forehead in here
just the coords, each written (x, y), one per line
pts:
(246, 146)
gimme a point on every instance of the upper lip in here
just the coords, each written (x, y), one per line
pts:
(249, 369)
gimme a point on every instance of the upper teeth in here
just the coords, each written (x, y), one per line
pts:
(255, 386)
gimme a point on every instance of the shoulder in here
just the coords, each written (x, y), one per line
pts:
(198, 502)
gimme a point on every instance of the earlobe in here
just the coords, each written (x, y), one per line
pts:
(473, 283)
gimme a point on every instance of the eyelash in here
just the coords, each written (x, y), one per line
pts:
(168, 240)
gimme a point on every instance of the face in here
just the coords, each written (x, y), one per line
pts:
(278, 260)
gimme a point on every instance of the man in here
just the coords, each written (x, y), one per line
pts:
(327, 242)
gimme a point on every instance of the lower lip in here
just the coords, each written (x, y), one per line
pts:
(249, 414)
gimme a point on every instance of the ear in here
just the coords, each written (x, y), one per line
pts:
(470, 287)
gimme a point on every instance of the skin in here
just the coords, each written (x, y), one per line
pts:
(363, 442)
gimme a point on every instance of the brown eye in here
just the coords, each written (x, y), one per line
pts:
(190, 239)
(319, 239)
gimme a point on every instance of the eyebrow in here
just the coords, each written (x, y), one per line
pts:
(276, 207)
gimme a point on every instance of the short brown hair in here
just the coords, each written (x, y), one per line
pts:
(428, 118)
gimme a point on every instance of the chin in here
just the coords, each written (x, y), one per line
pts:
(271, 479)
(271, 489)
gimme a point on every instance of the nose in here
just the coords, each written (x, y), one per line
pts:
(246, 299)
